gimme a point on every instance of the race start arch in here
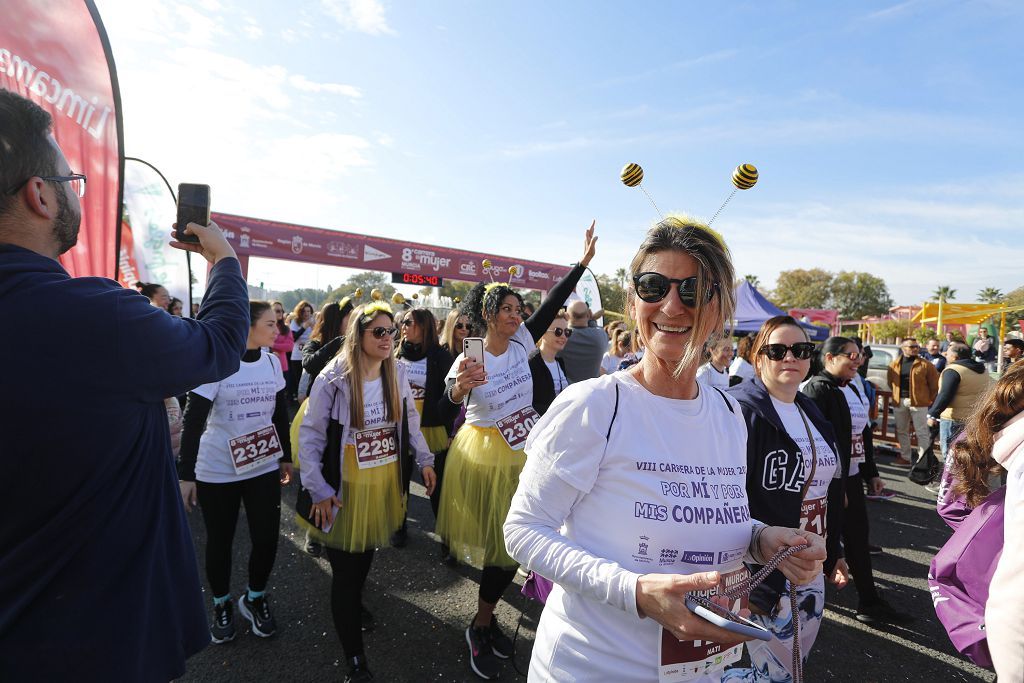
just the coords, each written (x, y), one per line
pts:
(420, 264)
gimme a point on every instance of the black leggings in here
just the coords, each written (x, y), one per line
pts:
(220, 504)
(493, 583)
(855, 540)
(435, 497)
(294, 375)
(348, 575)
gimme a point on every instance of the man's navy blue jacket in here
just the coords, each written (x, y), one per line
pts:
(98, 576)
(781, 507)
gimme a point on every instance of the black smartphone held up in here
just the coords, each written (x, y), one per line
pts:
(193, 207)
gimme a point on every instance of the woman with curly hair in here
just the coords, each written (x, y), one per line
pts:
(485, 458)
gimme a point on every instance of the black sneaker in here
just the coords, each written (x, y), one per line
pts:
(400, 538)
(258, 613)
(875, 549)
(314, 548)
(223, 628)
(882, 612)
(501, 645)
(358, 672)
(481, 656)
(367, 620)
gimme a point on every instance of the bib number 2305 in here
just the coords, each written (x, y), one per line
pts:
(376, 447)
(255, 449)
(516, 427)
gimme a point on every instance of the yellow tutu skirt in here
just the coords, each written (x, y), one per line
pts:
(480, 477)
(293, 432)
(373, 507)
(437, 437)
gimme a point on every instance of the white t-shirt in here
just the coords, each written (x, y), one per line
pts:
(665, 493)
(509, 385)
(243, 403)
(827, 468)
(416, 371)
(558, 377)
(741, 368)
(301, 341)
(858, 403)
(708, 375)
(610, 363)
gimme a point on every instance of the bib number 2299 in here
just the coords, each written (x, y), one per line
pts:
(376, 447)
(516, 427)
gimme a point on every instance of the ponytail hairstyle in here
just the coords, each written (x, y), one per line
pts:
(148, 289)
(832, 346)
(484, 301)
(972, 456)
(352, 353)
(256, 309)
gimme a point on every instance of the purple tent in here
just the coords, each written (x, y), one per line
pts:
(752, 309)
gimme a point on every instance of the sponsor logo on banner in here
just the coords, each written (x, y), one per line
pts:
(538, 275)
(297, 244)
(243, 241)
(521, 277)
(424, 258)
(698, 557)
(372, 254)
(343, 250)
(467, 267)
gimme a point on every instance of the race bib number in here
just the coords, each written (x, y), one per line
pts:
(516, 427)
(685, 660)
(418, 392)
(857, 449)
(812, 515)
(376, 447)
(255, 449)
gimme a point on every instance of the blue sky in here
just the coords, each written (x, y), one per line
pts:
(888, 135)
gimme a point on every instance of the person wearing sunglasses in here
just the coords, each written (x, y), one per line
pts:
(715, 372)
(486, 455)
(915, 384)
(456, 328)
(841, 400)
(365, 397)
(425, 364)
(634, 491)
(546, 368)
(794, 478)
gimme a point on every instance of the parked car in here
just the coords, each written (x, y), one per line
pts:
(884, 355)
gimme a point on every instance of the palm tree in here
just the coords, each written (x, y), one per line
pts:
(944, 293)
(620, 276)
(990, 295)
(754, 280)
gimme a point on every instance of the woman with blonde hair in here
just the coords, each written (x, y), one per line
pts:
(360, 421)
(456, 328)
(633, 494)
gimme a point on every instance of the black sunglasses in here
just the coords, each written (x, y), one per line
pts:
(407, 322)
(559, 331)
(381, 332)
(653, 287)
(801, 351)
(461, 326)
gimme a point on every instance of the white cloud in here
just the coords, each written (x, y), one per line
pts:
(252, 30)
(302, 83)
(364, 16)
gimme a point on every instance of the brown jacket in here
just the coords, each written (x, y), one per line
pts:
(924, 382)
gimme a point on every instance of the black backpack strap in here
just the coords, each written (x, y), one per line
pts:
(725, 398)
(615, 413)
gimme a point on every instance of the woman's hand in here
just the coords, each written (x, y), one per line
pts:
(800, 568)
(213, 246)
(322, 514)
(429, 478)
(286, 473)
(876, 485)
(662, 598)
(589, 245)
(470, 375)
(188, 494)
(841, 574)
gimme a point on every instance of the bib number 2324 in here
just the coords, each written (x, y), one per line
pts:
(255, 449)
(516, 427)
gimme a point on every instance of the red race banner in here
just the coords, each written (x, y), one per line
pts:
(56, 53)
(267, 239)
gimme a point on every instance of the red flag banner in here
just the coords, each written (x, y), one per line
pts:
(267, 239)
(56, 53)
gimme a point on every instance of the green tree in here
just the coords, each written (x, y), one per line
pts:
(754, 281)
(990, 295)
(802, 288)
(621, 275)
(366, 281)
(924, 334)
(889, 330)
(944, 293)
(856, 295)
(613, 295)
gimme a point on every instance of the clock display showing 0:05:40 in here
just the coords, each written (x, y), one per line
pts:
(417, 279)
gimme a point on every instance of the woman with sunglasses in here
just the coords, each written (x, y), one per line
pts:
(547, 370)
(486, 455)
(793, 479)
(843, 403)
(456, 328)
(364, 396)
(425, 364)
(634, 493)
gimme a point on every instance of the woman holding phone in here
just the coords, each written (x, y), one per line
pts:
(486, 456)
(364, 396)
(634, 494)
(235, 451)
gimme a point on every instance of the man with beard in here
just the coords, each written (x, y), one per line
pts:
(99, 573)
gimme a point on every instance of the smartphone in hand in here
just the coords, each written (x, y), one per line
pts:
(730, 621)
(473, 347)
(193, 207)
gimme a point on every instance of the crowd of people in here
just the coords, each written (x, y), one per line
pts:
(633, 466)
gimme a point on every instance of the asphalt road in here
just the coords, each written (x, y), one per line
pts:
(423, 606)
